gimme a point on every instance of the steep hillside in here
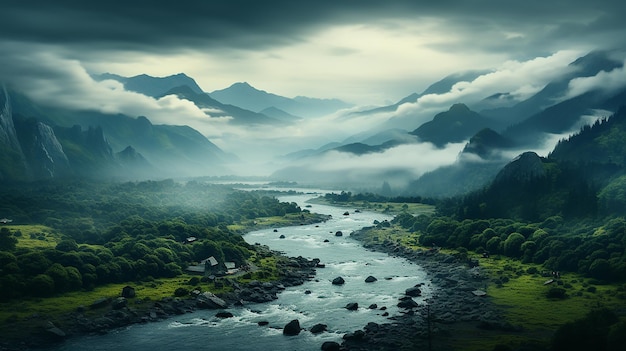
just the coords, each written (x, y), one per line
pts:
(51, 142)
(457, 124)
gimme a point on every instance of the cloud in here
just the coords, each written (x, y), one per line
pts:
(398, 166)
(518, 79)
(605, 82)
(51, 80)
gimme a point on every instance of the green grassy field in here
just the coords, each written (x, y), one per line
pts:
(518, 289)
(391, 208)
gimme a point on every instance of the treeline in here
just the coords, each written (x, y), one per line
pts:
(347, 196)
(595, 251)
(123, 232)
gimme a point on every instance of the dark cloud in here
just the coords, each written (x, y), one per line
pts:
(162, 25)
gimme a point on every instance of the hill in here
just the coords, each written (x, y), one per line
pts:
(457, 124)
(246, 96)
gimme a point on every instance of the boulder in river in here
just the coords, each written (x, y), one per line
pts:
(352, 306)
(339, 233)
(331, 346)
(370, 279)
(292, 328)
(414, 291)
(318, 328)
(338, 281)
(224, 314)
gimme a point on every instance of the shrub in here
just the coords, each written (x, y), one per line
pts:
(556, 293)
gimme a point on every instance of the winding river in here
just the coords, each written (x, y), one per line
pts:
(325, 303)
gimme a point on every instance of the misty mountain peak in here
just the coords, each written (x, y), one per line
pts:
(524, 168)
(459, 108)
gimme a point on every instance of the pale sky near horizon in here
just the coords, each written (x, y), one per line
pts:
(364, 52)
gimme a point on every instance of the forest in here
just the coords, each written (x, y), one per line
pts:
(99, 233)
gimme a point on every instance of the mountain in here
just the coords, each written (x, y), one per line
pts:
(486, 143)
(457, 124)
(279, 114)
(585, 66)
(12, 160)
(246, 96)
(60, 143)
(218, 109)
(440, 87)
(152, 86)
(584, 176)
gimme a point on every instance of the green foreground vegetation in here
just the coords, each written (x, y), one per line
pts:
(70, 244)
(519, 288)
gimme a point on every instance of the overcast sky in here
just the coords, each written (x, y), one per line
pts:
(364, 52)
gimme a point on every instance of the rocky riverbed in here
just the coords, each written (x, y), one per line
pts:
(106, 314)
(459, 309)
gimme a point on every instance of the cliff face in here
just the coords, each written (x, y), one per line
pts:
(12, 161)
(42, 150)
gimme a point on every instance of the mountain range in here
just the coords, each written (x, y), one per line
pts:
(493, 136)
(42, 142)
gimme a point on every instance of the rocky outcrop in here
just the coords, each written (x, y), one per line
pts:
(42, 150)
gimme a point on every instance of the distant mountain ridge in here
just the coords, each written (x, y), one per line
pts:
(152, 86)
(244, 95)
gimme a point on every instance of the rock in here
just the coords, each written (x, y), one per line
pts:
(320, 265)
(338, 281)
(414, 291)
(99, 303)
(282, 236)
(318, 328)
(408, 303)
(352, 306)
(119, 303)
(326, 240)
(339, 233)
(330, 346)
(370, 279)
(373, 306)
(263, 323)
(346, 213)
(307, 292)
(292, 328)
(53, 331)
(210, 301)
(275, 230)
(357, 335)
(224, 314)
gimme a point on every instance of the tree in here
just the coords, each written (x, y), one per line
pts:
(42, 285)
(600, 269)
(513, 244)
(67, 245)
(7, 240)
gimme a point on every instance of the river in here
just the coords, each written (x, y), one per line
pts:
(325, 303)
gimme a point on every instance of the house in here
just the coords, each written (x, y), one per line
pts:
(207, 266)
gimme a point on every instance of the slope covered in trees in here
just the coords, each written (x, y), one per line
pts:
(99, 233)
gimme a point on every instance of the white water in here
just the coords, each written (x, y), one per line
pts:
(342, 256)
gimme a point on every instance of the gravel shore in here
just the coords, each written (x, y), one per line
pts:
(458, 309)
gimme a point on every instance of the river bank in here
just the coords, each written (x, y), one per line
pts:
(458, 311)
(110, 313)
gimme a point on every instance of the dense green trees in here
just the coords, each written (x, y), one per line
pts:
(587, 247)
(119, 232)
